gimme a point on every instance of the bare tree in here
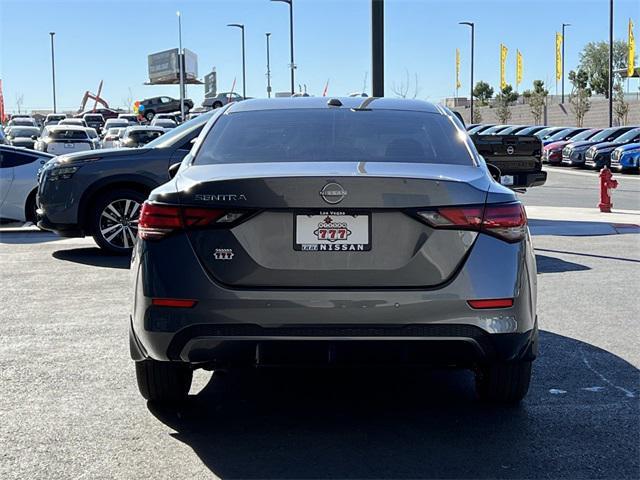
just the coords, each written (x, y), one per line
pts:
(620, 107)
(477, 116)
(579, 98)
(128, 100)
(19, 101)
(402, 90)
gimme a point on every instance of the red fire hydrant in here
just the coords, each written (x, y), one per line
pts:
(607, 183)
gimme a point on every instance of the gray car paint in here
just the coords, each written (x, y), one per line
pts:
(171, 268)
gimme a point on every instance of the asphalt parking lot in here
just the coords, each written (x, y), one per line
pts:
(71, 409)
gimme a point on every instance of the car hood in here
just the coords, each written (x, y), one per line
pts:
(599, 147)
(556, 145)
(584, 144)
(628, 146)
(103, 153)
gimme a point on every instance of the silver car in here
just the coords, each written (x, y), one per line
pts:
(19, 183)
(341, 231)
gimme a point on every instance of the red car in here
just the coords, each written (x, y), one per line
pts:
(552, 153)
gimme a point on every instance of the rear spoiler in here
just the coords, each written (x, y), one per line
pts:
(517, 157)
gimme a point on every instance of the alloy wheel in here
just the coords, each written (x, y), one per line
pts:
(119, 223)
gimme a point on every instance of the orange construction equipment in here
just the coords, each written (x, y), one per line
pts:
(607, 183)
(88, 95)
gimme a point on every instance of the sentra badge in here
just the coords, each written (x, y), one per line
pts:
(220, 197)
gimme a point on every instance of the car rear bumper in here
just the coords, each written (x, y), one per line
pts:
(329, 345)
(229, 326)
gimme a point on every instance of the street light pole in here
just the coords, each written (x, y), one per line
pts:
(181, 60)
(268, 68)
(610, 63)
(473, 40)
(53, 71)
(292, 65)
(563, 75)
(244, 71)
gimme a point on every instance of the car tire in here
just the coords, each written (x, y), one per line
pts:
(503, 382)
(163, 382)
(217, 104)
(149, 115)
(117, 207)
(30, 209)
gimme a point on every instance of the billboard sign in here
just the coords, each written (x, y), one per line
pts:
(164, 66)
(211, 84)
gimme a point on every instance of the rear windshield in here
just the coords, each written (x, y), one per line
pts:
(68, 135)
(144, 136)
(305, 135)
(93, 118)
(24, 132)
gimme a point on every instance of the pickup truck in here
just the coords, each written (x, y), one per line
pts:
(517, 157)
(149, 107)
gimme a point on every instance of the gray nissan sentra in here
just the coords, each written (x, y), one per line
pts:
(310, 231)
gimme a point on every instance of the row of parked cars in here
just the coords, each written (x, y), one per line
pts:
(61, 135)
(617, 147)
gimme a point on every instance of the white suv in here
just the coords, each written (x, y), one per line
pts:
(62, 139)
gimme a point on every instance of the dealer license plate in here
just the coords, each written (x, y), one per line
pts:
(333, 232)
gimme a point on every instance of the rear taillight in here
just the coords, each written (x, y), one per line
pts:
(158, 220)
(507, 221)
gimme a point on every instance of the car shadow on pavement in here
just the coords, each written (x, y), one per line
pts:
(94, 257)
(547, 264)
(580, 420)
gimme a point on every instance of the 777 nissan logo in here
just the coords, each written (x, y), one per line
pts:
(220, 197)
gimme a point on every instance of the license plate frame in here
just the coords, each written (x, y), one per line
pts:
(353, 220)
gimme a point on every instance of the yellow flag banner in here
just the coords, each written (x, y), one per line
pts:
(631, 67)
(503, 61)
(458, 84)
(518, 67)
(558, 56)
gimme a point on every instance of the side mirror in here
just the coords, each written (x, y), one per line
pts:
(34, 137)
(494, 171)
(173, 169)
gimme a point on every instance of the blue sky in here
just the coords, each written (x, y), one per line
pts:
(110, 39)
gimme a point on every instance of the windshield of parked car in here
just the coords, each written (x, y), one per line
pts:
(179, 133)
(24, 131)
(603, 135)
(314, 135)
(561, 135)
(629, 136)
(583, 135)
